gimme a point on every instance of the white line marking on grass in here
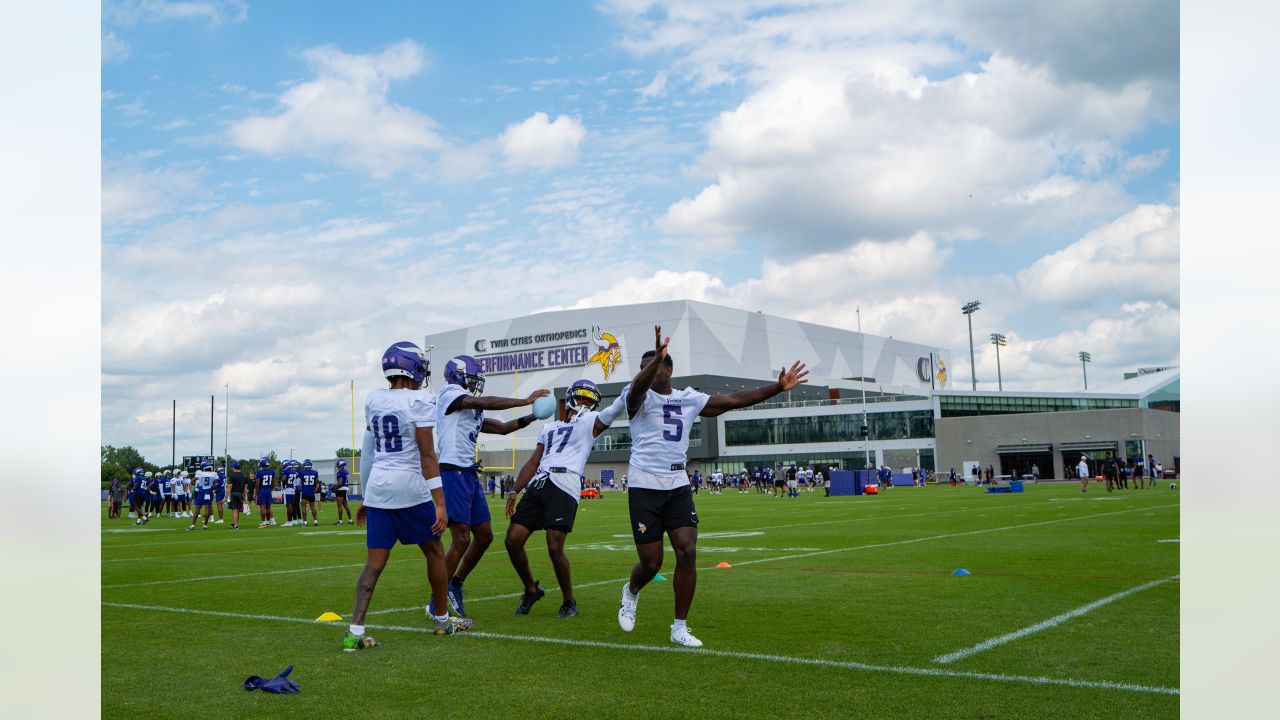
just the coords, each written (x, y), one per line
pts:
(1172, 540)
(240, 575)
(1054, 621)
(821, 662)
(232, 552)
(133, 530)
(798, 555)
(941, 537)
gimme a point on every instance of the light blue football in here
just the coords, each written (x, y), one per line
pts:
(544, 407)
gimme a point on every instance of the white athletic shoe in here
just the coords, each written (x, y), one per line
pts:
(193, 527)
(219, 521)
(627, 608)
(682, 636)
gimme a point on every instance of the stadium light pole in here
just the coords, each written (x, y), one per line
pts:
(997, 339)
(226, 426)
(173, 438)
(1085, 358)
(862, 371)
(969, 309)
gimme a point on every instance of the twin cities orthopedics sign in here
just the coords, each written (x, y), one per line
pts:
(597, 346)
(540, 359)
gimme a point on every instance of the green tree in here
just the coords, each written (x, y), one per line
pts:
(126, 457)
(347, 453)
(112, 471)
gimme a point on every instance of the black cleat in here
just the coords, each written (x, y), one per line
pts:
(528, 599)
(568, 610)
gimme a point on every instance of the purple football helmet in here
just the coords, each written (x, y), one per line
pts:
(465, 370)
(405, 359)
(582, 395)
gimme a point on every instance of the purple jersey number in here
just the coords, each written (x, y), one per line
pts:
(673, 415)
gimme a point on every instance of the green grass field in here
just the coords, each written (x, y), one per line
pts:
(835, 607)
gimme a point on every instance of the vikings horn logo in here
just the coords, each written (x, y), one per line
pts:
(609, 353)
(942, 373)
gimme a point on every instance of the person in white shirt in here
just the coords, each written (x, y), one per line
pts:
(403, 496)
(1083, 470)
(553, 476)
(660, 501)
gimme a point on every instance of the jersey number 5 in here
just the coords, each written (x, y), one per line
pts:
(673, 415)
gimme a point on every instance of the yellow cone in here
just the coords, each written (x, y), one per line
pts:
(329, 617)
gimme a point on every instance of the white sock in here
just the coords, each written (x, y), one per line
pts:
(357, 630)
(630, 594)
(441, 618)
(678, 625)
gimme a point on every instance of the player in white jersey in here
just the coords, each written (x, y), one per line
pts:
(203, 487)
(660, 500)
(459, 420)
(553, 476)
(403, 498)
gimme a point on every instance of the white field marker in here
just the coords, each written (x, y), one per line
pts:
(844, 665)
(1054, 621)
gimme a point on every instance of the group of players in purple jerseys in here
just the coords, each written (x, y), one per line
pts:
(179, 494)
(413, 492)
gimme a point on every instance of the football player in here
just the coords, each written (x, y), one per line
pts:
(220, 490)
(264, 477)
(459, 420)
(137, 496)
(659, 500)
(289, 479)
(203, 488)
(308, 480)
(404, 499)
(553, 476)
(340, 491)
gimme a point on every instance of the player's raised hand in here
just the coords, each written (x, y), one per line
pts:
(797, 375)
(659, 343)
(535, 395)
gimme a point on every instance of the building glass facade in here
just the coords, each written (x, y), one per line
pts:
(901, 425)
(969, 405)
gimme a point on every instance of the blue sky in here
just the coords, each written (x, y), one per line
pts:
(287, 187)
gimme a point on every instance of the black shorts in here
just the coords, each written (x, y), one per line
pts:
(779, 482)
(654, 512)
(237, 500)
(546, 507)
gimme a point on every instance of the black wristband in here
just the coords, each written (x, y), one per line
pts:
(526, 420)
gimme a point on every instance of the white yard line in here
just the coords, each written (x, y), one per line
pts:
(799, 555)
(1054, 621)
(844, 665)
(234, 552)
(239, 575)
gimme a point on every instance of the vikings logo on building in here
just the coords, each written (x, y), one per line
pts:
(942, 373)
(609, 353)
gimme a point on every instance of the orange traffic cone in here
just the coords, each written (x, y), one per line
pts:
(724, 565)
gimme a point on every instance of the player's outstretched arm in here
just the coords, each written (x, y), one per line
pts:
(787, 380)
(522, 479)
(490, 402)
(643, 379)
(500, 427)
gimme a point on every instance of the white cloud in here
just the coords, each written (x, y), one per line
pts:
(214, 12)
(1135, 257)
(817, 159)
(114, 48)
(541, 143)
(656, 87)
(131, 195)
(344, 114)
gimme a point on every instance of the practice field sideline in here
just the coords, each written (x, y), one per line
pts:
(832, 607)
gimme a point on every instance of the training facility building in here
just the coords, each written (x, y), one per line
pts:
(899, 391)
(717, 349)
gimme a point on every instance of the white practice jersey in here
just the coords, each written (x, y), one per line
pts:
(205, 480)
(456, 431)
(393, 416)
(660, 436)
(566, 445)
